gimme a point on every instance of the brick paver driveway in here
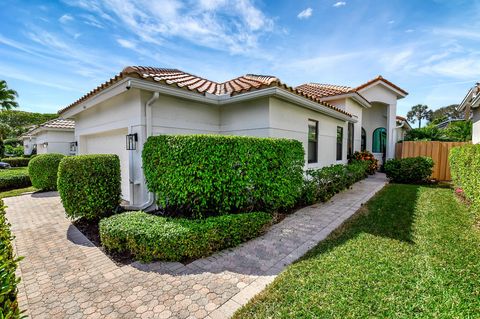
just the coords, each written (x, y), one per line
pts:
(65, 276)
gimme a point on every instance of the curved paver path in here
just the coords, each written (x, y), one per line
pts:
(65, 276)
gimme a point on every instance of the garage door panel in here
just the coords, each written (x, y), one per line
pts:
(111, 142)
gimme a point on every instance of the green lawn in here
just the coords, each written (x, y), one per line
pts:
(17, 192)
(413, 252)
(14, 181)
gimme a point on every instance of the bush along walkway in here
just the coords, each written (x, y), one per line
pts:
(66, 276)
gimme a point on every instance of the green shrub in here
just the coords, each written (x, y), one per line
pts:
(14, 178)
(213, 174)
(89, 185)
(465, 170)
(14, 150)
(16, 161)
(409, 170)
(367, 157)
(8, 265)
(43, 171)
(321, 184)
(148, 237)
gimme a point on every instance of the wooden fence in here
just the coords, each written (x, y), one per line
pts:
(438, 151)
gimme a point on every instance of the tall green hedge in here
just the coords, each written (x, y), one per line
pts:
(89, 185)
(16, 161)
(13, 178)
(465, 170)
(8, 265)
(43, 171)
(213, 174)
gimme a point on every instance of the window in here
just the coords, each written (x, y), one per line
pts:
(339, 142)
(312, 141)
(379, 140)
(350, 140)
(363, 147)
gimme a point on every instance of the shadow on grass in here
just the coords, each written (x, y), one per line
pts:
(390, 214)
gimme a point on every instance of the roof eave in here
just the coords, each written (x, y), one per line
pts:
(353, 95)
(399, 93)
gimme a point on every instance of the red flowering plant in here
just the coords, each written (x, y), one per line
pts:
(366, 156)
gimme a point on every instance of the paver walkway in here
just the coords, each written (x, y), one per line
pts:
(65, 276)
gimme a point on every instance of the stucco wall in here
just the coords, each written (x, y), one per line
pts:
(476, 126)
(28, 143)
(58, 142)
(373, 118)
(290, 121)
(249, 118)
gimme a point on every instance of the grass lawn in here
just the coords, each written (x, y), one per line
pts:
(413, 252)
(17, 192)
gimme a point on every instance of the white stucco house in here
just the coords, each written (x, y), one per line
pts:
(471, 104)
(144, 101)
(54, 136)
(401, 129)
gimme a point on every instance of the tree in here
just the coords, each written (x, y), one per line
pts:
(7, 96)
(21, 121)
(419, 112)
(445, 113)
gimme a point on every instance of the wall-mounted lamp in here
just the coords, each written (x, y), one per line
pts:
(45, 144)
(131, 142)
(73, 147)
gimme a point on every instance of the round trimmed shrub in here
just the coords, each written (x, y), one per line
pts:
(89, 185)
(43, 171)
(410, 170)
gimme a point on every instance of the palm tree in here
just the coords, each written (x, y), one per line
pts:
(7, 96)
(419, 112)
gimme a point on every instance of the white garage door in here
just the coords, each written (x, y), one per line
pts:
(111, 142)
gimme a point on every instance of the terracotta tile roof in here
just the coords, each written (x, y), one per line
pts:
(401, 118)
(327, 90)
(193, 83)
(324, 90)
(59, 124)
(381, 79)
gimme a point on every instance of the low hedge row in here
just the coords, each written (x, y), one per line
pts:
(321, 184)
(16, 161)
(8, 265)
(43, 171)
(149, 237)
(465, 170)
(410, 170)
(14, 178)
(199, 175)
(89, 185)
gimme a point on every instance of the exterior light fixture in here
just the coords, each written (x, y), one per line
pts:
(73, 147)
(131, 142)
(45, 144)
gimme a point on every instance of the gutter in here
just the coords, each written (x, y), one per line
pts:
(148, 132)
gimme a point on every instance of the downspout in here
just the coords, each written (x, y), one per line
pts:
(148, 132)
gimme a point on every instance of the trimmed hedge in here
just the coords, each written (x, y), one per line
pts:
(196, 175)
(148, 237)
(16, 161)
(89, 185)
(8, 265)
(43, 171)
(13, 178)
(465, 170)
(410, 170)
(321, 184)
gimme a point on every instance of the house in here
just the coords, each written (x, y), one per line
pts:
(470, 104)
(401, 128)
(373, 104)
(54, 136)
(118, 116)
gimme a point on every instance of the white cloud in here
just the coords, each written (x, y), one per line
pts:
(409, 30)
(126, 43)
(305, 14)
(339, 4)
(397, 61)
(467, 67)
(65, 18)
(391, 22)
(228, 25)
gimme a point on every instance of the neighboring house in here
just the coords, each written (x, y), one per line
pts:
(118, 116)
(444, 124)
(54, 136)
(471, 104)
(401, 129)
(373, 104)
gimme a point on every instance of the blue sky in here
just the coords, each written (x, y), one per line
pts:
(54, 52)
